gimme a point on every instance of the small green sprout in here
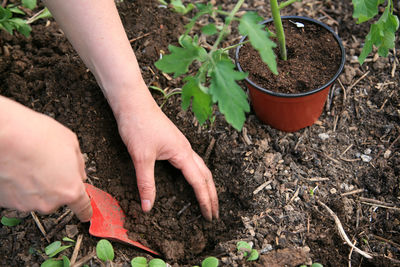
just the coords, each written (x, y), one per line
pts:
(248, 252)
(177, 6)
(11, 222)
(210, 262)
(313, 265)
(105, 250)
(54, 248)
(166, 95)
(142, 262)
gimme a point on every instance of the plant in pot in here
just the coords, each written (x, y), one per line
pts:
(288, 94)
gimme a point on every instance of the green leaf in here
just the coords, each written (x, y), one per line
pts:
(16, 10)
(179, 7)
(157, 263)
(62, 248)
(21, 26)
(139, 262)
(44, 15)
(210, 262)
(243, 246)
(259, 38)
(31, 4)
(253, 255)
(52, 247)
(66, 262)
(181, 58)
(201, 102)
(7, 26)
(10, 221)
(382, 35)
(231, 99)
(365, 9)
(104, 250)
(316, 264)
(52, 263)
(209, 29)
(5, 14)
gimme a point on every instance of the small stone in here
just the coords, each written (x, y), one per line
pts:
(323, 136)
(367, 151)
(71, 230)
(366, 158)
(333, 191)
(266, 248)
(387, 154)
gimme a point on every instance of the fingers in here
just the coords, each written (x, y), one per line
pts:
(200, 178)
(145, 182)
(210, 184)
(81, 206)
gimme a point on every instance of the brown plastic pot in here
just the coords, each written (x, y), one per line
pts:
(291, 112)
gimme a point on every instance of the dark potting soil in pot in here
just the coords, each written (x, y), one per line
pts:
(313, 59)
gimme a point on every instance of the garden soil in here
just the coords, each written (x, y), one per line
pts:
(272, 185)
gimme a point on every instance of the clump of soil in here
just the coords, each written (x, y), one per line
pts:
(314, 58)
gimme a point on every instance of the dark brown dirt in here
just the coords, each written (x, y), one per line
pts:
(302, 71)
(354, 146)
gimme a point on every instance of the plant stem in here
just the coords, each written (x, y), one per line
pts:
(280, 34)
(235, 45)
(226, 25)
(287, 3)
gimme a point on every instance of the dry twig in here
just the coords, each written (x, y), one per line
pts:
(356, 191)
(76, 249)
(40, 226)
(83, 260)
(343, 234)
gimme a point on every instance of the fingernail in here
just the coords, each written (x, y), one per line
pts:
(146, 205)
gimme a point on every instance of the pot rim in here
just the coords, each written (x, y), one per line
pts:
(331, 81)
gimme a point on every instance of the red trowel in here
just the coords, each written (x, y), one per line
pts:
(108, 218)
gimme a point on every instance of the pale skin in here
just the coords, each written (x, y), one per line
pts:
(43, 166)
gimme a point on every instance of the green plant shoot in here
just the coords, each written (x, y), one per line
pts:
(139, 262)
(210, 262)
(382, 32)
(105, 250)
(11, 222)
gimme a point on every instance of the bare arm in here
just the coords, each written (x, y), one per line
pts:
(96, 32)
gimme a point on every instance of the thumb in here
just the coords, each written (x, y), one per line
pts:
(81, 206)
(145, 182)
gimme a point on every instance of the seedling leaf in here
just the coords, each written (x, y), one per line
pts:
(52, 247)
(66, 262)
(210, 262)
(31, 4)
(244, 247)
(382, 35)
(16, 10)
(62, 248)
(157, 263)
(209, 29)
(104, 250)
(316, 264)
(231, 99)
(253, 255)
(201, 102)
(10, 221)
(139, 262)
(180, 58)
(179, 7)
(52, 263)
(259, 39)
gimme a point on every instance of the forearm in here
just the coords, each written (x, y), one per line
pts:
(95, 30)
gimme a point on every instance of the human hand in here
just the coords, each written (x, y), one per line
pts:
(149, 136)
(41, 166)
